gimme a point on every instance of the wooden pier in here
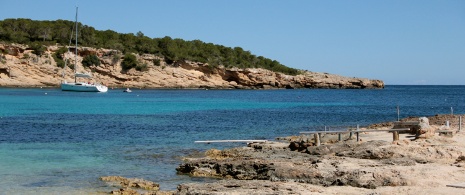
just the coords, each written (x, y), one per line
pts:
(231, 141)
(316, 134)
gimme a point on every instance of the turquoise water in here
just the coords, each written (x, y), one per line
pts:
(54, 142)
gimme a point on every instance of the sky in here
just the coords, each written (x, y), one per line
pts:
(402, 42)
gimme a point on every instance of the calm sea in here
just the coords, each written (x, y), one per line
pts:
(55, 142)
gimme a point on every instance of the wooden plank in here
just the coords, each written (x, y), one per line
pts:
(388, 130)
(407, 123)
(444, 131)
(395, 133)
(458, 185)
(360, 131)
(313, 132)
(231, 141)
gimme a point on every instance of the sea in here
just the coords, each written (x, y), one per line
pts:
(56, 142)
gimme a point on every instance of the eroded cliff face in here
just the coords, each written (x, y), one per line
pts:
(19, 67)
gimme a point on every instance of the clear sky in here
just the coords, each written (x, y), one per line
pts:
(397, 41)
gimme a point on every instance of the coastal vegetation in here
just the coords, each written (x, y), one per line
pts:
(90, 60)
(37, 34)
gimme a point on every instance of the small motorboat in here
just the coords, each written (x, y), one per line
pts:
(127, 90)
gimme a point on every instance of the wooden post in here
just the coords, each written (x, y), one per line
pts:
(340, 136)
(395, 136)
(358, 137)
(460, 123)
(316, 136)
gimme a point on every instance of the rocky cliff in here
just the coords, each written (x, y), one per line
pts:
(20, 67)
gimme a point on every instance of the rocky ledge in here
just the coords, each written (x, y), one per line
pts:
(20, 67)
(374, 165)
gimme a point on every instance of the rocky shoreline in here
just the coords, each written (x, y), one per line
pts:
(20, 67)
(374, 165)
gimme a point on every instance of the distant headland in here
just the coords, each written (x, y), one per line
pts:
(35, 54)
(20, 67)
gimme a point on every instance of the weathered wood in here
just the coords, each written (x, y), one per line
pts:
(361, 131)
(459, 185)
(448, 133)
(313, 132)
(444, 131)
(395, 135)
(230, 141)
(388, 130)
(460, 123)
(406, 123)
(316, 136)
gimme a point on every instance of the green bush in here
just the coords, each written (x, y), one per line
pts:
(37, 48)
(142, 67)
(58, 60)
(156, 62)
(90, 60)
(115, 59)
(59, 53)
(129, 61)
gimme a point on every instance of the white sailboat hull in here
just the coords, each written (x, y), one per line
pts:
(80, 86)
(83, 87)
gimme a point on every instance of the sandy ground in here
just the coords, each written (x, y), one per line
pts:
(431, 178)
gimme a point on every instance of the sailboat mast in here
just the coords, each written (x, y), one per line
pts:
(75, 59)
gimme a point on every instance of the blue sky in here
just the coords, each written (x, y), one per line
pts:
(397, 41)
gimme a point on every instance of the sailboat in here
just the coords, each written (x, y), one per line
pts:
(81, 86)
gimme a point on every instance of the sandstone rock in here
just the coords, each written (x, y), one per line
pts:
(182, 74)
(246, 187)
(128, 183)
(125, 191)
(364, 164)
(425, 130)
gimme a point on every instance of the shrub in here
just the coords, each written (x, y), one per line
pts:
(142, 67)
(115, 59)
(59, 53)
(90, 60)
(129, 61)
(37, 48)
(58, 60)
(156, 62)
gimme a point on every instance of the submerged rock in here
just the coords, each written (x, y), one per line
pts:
(130, 185)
